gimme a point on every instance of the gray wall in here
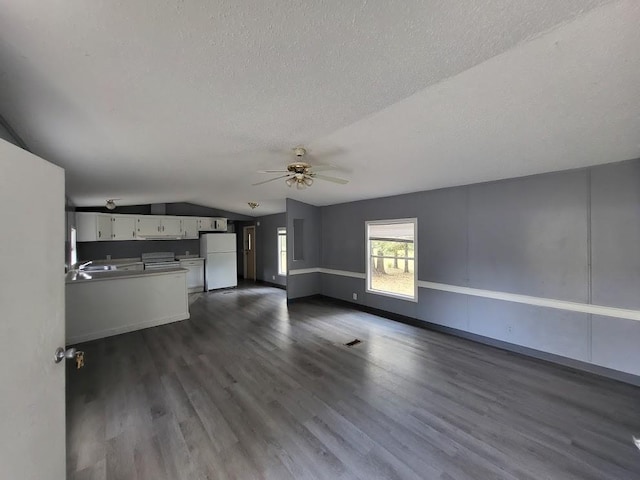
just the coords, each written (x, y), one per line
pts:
(135, 248)
(571, 236)
(306, 284)
(615, 262)
(191, 209)
(267, 248)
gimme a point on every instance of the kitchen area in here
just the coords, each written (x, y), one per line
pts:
(133, 271)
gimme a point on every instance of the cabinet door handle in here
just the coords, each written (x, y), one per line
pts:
(133, 234)
(99, 234)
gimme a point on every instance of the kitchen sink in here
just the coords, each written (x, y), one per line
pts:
(97, 268)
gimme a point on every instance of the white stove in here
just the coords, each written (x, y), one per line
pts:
(159, 260)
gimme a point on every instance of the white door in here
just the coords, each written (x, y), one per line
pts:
(123, 227)
(32, 322)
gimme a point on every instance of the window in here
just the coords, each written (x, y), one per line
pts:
(73, 257)
(391, 258)
(282, 251)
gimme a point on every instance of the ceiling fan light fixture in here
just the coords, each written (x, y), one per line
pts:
(301, 173)
(253, 205)
(111, 204)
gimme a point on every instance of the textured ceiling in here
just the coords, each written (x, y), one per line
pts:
(183, 101)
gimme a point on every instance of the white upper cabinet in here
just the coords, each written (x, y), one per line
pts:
(123, 227)
(189, 227)
(212, 224)
(220, 224)
(205, 224)
(170, 227)
(147, 226)
(156, 226)
(93, 227)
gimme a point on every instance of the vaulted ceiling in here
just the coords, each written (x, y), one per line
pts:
(177, 100)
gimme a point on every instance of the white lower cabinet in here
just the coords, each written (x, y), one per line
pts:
(195, 275)
(101, 307)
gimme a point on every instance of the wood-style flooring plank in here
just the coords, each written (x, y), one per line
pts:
(249, 387)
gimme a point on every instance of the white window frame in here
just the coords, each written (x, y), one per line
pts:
(73, 248)
(415, 256)
(278, 234)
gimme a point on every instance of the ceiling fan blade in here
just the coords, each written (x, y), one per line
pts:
(273, 171)
(270, 180)
(341, 181)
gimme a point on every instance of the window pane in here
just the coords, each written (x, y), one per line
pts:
(391, 266)
(282, 251)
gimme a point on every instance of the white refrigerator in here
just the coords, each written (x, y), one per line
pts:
(219, 251)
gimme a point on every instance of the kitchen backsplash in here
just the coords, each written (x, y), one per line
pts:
(135, 248)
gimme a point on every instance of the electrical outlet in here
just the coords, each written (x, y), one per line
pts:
(509, 329)
(273, 277)
(108, 257)
(355, 296)
(187, 252)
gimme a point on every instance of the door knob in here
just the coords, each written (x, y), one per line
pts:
(61, 354)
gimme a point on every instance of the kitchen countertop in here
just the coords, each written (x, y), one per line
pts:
(80, 277)
(113, 261)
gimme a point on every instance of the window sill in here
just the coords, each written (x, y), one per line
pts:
(397, 296)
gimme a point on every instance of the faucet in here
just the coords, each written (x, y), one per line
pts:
(82, 265)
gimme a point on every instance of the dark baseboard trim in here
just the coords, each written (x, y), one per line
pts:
(270, 284)
(316, 296)
(582, 367)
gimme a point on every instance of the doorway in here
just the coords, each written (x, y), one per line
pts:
(249, 243)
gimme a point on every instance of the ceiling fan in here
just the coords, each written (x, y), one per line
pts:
(301, 174)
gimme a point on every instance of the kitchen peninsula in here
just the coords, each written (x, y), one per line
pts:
(105, 303)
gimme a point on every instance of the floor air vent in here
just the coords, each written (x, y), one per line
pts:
(353, 342)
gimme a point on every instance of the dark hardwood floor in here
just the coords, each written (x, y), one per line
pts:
(248, 388)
